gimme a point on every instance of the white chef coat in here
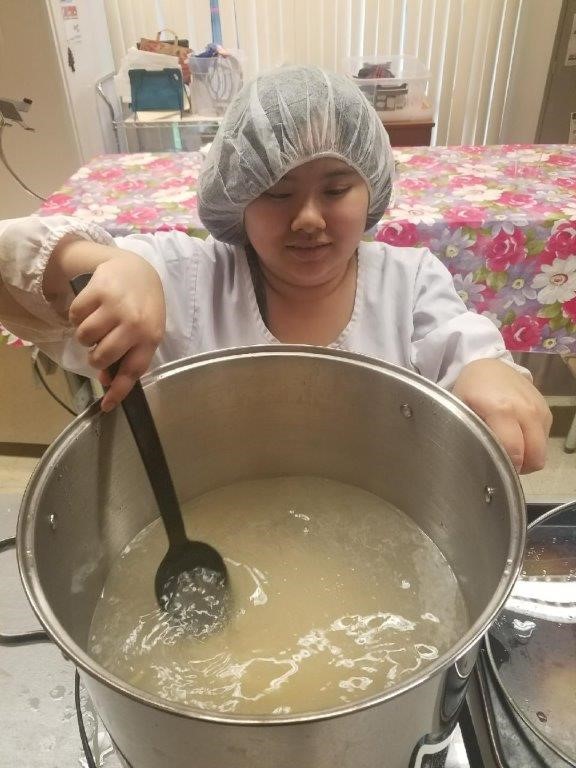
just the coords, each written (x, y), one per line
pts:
(406, 309)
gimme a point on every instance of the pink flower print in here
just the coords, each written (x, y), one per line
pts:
(423, 161)
(562, 242)
(561, 160)
(138, 216)
(567, 183)
(525, 332)
(522, 171)
(485, 299)
(515, 199)
(191, 203)
(170, 226)
(505, 249)
(163, 162)
(59, 203)
(105, 174)
(129, 185)
(545, 257)
(465, 181)
(414, 184)
(401, 233)
(174, 181)
(569, 309)
(465, 214)
(540, 209)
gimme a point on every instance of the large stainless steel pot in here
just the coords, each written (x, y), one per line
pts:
(260, 412)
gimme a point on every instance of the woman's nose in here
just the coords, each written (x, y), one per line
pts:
(308, 218)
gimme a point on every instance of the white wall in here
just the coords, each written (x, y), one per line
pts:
(92, 60)
(32, 35)
(29, 68)
(33, 64)
(535, 42)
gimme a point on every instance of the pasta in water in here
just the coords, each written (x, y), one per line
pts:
(337, 596)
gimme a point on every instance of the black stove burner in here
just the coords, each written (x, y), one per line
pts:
(512, 744)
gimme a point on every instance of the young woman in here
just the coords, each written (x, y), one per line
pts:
(300, 168)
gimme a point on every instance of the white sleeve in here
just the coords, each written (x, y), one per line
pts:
(25, 247)
(176, 258)
(447, 336)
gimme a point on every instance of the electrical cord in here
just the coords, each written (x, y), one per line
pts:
(21, 638)
(49, 390)
(83, 737)
(9, 169)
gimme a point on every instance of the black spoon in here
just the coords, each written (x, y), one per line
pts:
(192, 580)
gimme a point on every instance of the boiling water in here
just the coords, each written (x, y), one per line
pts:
(336, 596)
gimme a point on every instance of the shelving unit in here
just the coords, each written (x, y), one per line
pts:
(165, 131)
(171, 131)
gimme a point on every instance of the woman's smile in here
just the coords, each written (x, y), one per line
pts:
(312, 252)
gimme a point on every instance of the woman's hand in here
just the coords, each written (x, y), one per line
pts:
(120, 315)
(511, 406)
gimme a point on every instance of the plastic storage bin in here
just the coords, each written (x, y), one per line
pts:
(395, 85)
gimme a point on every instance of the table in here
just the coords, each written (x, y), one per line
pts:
(502, 219)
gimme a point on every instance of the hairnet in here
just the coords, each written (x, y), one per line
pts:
(279, 121)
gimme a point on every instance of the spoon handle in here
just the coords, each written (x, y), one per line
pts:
(139, 417)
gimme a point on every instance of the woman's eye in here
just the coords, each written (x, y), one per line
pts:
(336, 191)
(277, 195)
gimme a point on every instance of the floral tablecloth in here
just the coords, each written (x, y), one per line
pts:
(502, 219)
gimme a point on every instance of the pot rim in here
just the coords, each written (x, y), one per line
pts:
(517, 521)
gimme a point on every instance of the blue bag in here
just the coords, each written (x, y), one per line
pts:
(156, 90)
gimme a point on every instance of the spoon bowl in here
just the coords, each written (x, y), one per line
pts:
(192, 584)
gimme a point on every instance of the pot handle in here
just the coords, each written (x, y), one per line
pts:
(25, 637)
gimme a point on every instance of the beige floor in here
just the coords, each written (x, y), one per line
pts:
(14, 473)
(555, 483)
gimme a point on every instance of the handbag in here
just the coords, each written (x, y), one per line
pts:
(174, 47)
(156, 90)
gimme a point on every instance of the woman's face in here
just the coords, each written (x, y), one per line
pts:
(306, 228)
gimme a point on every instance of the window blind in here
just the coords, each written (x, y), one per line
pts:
(469, 46)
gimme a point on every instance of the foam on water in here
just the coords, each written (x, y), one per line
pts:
(337, 595)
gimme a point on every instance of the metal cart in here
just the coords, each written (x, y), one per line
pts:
(166, 131)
